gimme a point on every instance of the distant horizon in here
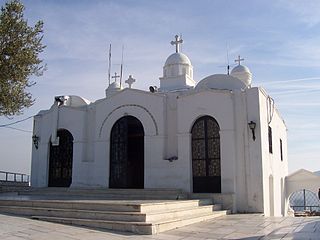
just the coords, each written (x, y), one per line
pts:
(278, 39)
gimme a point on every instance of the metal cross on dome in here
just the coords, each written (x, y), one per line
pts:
(239, 60)
(177, 42)
(130, 81)
(115, 76)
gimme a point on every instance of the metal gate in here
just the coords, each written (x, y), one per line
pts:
(206, 167)
(60, 160)
(127, 154)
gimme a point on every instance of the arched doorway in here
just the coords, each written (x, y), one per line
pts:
(60, 160)
(206, 160)
(127, 154)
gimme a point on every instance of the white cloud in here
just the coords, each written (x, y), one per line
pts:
(307, 12)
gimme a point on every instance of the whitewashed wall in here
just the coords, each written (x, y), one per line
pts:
(71, 119)
(274, 170)
(167, 119)
(217, 104)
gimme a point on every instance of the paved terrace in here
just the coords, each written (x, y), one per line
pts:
(239, 226)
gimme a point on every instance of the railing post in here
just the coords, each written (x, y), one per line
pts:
(304, 199)
(14, 177)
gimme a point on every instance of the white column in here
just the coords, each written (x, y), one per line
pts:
(227, 160)
(185, 161)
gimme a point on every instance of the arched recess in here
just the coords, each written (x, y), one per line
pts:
(206, 158)
(140, 112)
(282, 197)
(271, 196)
(61, 160)
(127, 154)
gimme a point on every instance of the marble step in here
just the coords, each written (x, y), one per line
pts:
(180, 222)
(114, 196)
(105, 205)
(154, 207)
(181, 213)
(67, 213)
(135, 227)
(109, 193)
(107, 215)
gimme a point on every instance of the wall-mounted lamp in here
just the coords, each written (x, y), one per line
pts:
(35, 140)
(153, 89)
(252, 126)
(171, 159)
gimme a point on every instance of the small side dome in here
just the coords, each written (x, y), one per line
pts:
(177, 58)
(221, 81)
(76, 101)
(243, 73)
(113, 88)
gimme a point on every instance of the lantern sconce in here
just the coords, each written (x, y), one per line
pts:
(252, 126)
(35, 140)
(171, 159)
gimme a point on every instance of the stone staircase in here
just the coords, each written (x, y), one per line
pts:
(104, 193)
(114, 212)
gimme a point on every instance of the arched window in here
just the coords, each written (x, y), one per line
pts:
(206, 159)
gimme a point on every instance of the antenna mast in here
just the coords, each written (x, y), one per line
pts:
(109, 68)
(228, 66)
(121, 67)
(181, 44)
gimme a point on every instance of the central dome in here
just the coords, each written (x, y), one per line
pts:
(177, 71)
(221, 81)
(177, 58)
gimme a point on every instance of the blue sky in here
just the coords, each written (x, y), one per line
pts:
(280, 41)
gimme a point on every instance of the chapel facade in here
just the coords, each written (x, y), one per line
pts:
(220, 136)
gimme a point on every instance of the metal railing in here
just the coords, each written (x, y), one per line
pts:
(304, 200)
(14, 177)
(306, 208)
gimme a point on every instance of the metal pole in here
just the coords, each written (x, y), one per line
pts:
(304, 199)
(6, 177)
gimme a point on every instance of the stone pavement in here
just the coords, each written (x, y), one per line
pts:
(238, 226)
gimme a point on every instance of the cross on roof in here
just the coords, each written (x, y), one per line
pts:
(115, 76)
(130, 81)
(177, 42)
(239, 60)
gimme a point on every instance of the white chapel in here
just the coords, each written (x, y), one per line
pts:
(220, 135)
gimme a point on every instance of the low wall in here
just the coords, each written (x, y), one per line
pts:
(10, 186)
